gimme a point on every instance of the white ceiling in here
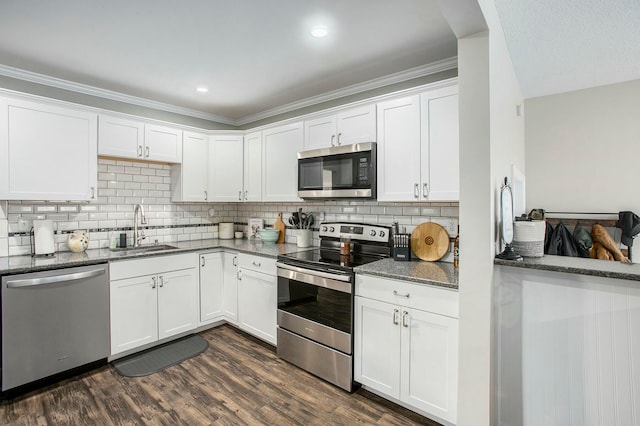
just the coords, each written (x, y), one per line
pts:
(563, 45)
(254, 55)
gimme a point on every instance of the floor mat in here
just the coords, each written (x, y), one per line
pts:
(157, 359)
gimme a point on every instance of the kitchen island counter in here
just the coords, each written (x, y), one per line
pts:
(578, 265)
(440, 274)
(23, 264)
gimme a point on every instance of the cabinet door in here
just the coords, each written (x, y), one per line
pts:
(440, 142)
(253, 167)
(47, 152)
(134, 312)
(230, 287)
(257, 304)
(399, 149)
(177, 302)
(430, 362)
(280, 162)
(120, 137)
(320, 132)
(162, 144)
(211, 284)
(192, 182)
(377, 345)
(356, 125)
(225, 168)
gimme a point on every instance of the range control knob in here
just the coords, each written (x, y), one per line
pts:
(372, 233)
(324, 229)
(381, 233)
(332, 229)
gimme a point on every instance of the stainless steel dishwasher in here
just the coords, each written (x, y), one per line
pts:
(53, 321)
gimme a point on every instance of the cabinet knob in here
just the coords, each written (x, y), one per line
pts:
(338, 139)
(202, 264)
(235, 260)
(153, 285)
(206, 196)
(245, 195)
(140, 151)
(333, 137)
(93, 192)
(258, 264)
(239, 275)
(405, 317)
(146, 152)
(239, 195)
(425, 190)
(416, 191)
(395, 316)
(161, 281)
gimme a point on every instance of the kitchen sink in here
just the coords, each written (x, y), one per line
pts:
(143, 249)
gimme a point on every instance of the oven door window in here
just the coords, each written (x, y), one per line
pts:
(322, 305)
(343, 171)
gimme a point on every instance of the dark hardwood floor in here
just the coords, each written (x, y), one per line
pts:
(238, 380)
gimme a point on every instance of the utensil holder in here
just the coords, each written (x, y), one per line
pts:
(401, 247)
(303, 239)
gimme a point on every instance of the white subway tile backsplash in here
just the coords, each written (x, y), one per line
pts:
(4, 247)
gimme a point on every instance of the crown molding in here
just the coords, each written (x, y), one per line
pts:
(399, 77)
(108, 94)
(376, 83)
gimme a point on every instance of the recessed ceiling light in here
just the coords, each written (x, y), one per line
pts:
(319, 31)
(202, 89)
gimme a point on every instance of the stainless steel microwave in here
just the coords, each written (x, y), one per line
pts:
(346, 171)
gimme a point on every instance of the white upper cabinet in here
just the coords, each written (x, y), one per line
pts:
(418, 147)
(440, 144)
(399, 149)
(346, 127)
(124, 138)
(280, 149)
(189, 180)
(226, 154)
(47, 152)
(253, 167)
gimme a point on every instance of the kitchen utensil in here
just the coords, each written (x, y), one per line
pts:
(310, 221)
(44, 243)
(401, 250)
(226, 230)
(429, 241)
(295, 219)
(280, 226)
(269, 235)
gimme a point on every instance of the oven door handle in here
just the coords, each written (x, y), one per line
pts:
(336, 282)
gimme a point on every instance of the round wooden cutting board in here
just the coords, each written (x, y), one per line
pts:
(430, 241)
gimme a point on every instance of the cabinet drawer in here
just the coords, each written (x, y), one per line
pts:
(424, 297)
(152, 265)
(265, 265)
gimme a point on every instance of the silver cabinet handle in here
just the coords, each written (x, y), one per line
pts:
(333, 137)
(154, 282)
(146, 151)
(405, 316)
(239, 274)
(416, 191)
(54, 279)
(245, 195)
(257, 264)
(161, 281)
(202, 264)
(93, 192)
(206, 196)
(239, 195)
(139, 150)
(235, 260)
(339, 134)
(425, 190)
(395, 293)
(395, 317)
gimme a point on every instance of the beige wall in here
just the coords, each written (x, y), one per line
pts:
(583, 150)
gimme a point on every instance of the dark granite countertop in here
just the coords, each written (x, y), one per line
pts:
(440, 274)
(22, 264)
(577, 265)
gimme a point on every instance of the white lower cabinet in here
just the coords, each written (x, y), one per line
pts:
(257, 296)
(211, 287)
(152, 299)
(404, 350)
(230, 287)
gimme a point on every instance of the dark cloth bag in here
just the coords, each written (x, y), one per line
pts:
(584, 241)
(562, 242)
(629, 223)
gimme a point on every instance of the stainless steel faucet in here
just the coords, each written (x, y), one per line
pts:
(138, 236)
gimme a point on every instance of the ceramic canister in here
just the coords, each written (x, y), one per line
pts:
(226, 230)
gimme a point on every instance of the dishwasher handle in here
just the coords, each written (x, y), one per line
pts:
(55, 278)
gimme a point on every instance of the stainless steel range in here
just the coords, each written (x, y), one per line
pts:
(315, 299)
